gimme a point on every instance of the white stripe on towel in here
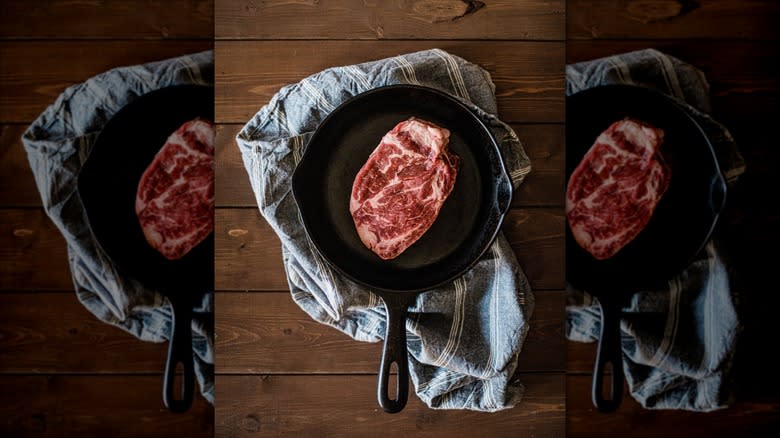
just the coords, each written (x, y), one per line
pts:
(407, 69)
(670, 75)
(316, 95)
(453, 70)
(357, 76)
(457, 325)
(670, 332)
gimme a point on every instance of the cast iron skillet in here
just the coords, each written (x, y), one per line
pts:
(107, 185)
(466, 226)
(677, 231)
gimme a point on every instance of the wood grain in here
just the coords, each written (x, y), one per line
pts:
(528, 75)
(748, 62)
(744, 419)
(53, 333)
(636, 19)
(114, 405)
(34, 73)
(544, 145)
(17, 186)
(580, 357)
(231, 181)
(269, 334)
(107, 19)
(248, 253)
(744, 90)
(537, 237)
(345, 406)
(396, 19)
(32, 252)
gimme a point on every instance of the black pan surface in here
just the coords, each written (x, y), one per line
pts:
(467, 223)
(466, 226)
(679, 228)
(107, 184)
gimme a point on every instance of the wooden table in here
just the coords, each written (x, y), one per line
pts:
(735, 43)
(278, 371)
(62, 371)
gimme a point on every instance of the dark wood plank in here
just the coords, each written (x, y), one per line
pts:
(744, 419)
(545, 146)
(543, 187)
(528, 75)
(231, 180)
(32, 252)
(34, 73)
(748, 62)
(632, 19)
(269, 334)
(116, 406)
(580, 357)
(747, 239)
(107, 19)
(751, 220)
(53, 333)
(248, 254)
(358, 19)
(744, 76)
(311, 405)
(537, 236)
(17, 186)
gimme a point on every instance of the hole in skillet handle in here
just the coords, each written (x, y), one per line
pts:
(179, 352)
(394, 352)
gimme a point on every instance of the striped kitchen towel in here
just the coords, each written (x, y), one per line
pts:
(58, 143)
(678, 343)
(463, 340)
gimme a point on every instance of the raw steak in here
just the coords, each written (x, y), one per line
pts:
(398, 193)
(175, 198)
(614, 190)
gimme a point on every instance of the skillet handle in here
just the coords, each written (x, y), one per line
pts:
(179, 351)
(609, 352)
(394, 351)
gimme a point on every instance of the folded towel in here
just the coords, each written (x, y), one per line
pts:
(57, 144)
(464, 339)
(678, 343)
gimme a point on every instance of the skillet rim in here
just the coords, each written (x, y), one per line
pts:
(717, 176)
(190, 290)
(502, 211)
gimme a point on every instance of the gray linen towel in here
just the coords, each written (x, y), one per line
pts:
(57, 144)
(678, 343)
(465, 339)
